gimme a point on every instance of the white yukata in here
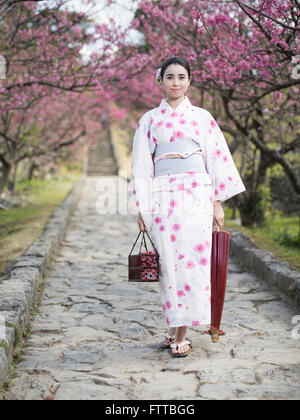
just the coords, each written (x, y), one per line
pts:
(175, 198)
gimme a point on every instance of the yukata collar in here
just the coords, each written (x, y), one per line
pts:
(167, 111)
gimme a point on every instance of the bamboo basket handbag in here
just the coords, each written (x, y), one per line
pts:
(144, 266)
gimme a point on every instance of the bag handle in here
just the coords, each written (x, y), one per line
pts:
(143, 239)
(152, 243)
(135, 242)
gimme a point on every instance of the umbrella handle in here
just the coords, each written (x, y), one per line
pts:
(218, 229)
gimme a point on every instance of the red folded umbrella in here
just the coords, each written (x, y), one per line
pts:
(219, 262)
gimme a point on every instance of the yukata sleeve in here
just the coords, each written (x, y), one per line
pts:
(142, 170)
(226, 180)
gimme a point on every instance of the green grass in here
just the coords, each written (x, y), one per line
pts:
(20, 226)
(279, 234)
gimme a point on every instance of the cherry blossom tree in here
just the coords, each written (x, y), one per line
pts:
(42, 50)
(242, 55)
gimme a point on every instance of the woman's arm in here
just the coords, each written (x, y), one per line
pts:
(218, 214)
(141, 223)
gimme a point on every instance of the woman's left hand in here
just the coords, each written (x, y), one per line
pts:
(218, 214)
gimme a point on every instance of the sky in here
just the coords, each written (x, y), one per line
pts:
(101, 13)
(122, 12)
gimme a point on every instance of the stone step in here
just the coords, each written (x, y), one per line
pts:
(100, 158)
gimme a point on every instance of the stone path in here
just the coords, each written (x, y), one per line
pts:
(100, 158)
(96, 336)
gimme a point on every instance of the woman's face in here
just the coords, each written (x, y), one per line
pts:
(175, 81)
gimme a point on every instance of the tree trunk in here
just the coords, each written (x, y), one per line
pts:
(32, 168)
(252, 206)
(4, 177)
(13, 179)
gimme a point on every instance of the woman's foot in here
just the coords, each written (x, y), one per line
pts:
(181, 345)
(169, 337)
(181, 349)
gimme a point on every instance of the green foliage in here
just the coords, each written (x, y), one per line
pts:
(277, 234)
(265, 202)
(285, 238)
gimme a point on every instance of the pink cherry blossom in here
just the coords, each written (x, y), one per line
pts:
(203, 261)
(173, 237)
(180, 293)
(179, 134)
(190, 264)
(173, 203)
(176, 226)
(199, 248)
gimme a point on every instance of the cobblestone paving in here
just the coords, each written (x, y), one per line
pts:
(96, 336)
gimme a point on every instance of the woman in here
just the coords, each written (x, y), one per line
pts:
(182, 170)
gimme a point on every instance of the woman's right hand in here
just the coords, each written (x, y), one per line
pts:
(141, 223)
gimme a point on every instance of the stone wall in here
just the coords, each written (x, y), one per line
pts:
(278, 274)
(22, 277)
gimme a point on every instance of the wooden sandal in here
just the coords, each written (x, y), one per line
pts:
(171, 340)
(178, 346)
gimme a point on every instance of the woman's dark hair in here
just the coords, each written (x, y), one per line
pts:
(175, 60)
